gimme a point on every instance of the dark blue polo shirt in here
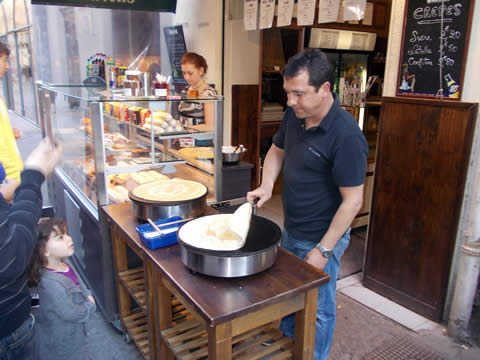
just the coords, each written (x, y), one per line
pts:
(317, 162)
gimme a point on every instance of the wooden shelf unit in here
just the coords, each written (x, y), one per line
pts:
(134, 281)
(189, 341)
(136, 325)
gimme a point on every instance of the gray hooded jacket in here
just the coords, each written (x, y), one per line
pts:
(61, 318)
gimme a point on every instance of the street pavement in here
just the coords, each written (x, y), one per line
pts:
(359, 331)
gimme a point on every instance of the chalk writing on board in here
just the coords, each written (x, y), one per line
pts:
(434, 47)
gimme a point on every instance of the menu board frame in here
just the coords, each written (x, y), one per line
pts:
(175, 42)
(405, 76)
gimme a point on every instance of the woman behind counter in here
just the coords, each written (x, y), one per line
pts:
(192, 113)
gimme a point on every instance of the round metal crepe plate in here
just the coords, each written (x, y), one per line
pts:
(262, 235)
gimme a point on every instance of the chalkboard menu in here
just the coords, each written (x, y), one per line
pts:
(176, 49)
(434, 48)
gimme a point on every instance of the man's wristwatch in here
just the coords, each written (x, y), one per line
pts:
(325, 252)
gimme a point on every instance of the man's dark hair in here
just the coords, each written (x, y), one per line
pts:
(316, 63)
(4, 50)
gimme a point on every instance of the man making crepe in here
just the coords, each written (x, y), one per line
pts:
(323, 154)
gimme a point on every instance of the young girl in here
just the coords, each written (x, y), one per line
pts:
(65, 304)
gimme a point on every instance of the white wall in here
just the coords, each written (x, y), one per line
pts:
(393, 47)
(202, 27)
(241, 61)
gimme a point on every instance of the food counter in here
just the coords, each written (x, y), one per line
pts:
(190, 315)
(113, 143)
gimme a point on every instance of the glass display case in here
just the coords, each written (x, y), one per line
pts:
(111, 144)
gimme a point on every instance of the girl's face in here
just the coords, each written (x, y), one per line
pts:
(59, 246)
(192, 74)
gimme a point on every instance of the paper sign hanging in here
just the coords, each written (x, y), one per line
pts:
(353, 10)
(285, 12)
(305, 12)
(250, 8)
(267, 10)
(328, 11)
(368, 18)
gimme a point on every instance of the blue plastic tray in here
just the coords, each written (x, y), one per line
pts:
(150, 237)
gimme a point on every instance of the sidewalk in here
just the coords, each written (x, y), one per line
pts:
(367, 322)
(368, 325)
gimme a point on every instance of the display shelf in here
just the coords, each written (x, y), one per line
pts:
(136, 325)
(188, 341)
(134, 281)
(202, 164)
(179, 312)
(188, 132)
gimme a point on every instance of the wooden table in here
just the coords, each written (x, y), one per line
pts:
(226, 307)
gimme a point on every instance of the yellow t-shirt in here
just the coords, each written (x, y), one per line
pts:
(9, 155)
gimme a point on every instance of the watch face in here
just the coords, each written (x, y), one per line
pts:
(326, 253)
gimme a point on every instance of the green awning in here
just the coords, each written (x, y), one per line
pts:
(148, 5)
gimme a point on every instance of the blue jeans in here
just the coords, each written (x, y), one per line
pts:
(20, 344)
(325, 323)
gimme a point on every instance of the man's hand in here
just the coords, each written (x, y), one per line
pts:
(259, 193)
(315, 258)
(17, 133)
(8, 189)
(91, 299)
(44, 157)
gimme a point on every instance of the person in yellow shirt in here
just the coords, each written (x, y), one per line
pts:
(9, 155)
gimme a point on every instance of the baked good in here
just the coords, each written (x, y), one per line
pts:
(119, 179)
(140, 153)
(156, 122)
(141, 178)
(168, 190)
(240, 220)
(211, 232)
(115, 140)
(156, 129)
(161, 115)
(202, 152)
(156, 175)
(116, 196)
(123, 191)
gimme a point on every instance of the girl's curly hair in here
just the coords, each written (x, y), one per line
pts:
(38, 261)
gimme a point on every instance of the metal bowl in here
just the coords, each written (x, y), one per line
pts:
(232, 157)
(232, 154)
